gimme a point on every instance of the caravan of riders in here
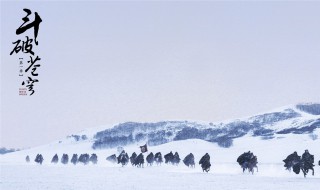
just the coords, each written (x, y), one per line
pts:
(247, 160)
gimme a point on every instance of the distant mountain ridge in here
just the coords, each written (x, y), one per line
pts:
(296, 119)
(4, 150)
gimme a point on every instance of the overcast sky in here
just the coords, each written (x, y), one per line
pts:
(108, 62)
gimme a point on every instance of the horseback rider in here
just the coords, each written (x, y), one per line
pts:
(291, 160)
(306, 156)
(298, 163)
(189, 160)
(139, 161)
(176, 158)
(123, 158)
(169, 158)
(150, 159)
(205, 162)
(248, 160)
(308, 160)
(158, 158)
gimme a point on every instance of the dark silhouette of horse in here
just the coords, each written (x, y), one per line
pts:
(28, 159)
(252, 164)
(150, 159)
(189, 160)
(133, 158)
(168, 158)
(158, 158)
(176, 159)
(205, 163)
(302, 166)
(248, 161)
(74, 159)
(39, 159)
(307, 163)
(123, 158)
(65, 159)
(55, 159)
(84, 158)
(291, 161)
(298, 163)
(139, 161)
(93, 158)
(112, 158)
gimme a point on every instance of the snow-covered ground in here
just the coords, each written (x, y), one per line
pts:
(222, 177)
(225, 173)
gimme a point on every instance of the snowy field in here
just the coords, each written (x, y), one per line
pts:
(225, 173)
(223, 176)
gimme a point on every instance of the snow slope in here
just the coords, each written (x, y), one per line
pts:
(225, 173)
(270, 148)
(290, 119)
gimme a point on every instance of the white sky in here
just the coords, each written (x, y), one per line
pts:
(109, 62)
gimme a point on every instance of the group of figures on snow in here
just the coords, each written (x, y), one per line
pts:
(305, 163)
(298, 163)
(135, 160)
(170, 158)
(83, 158)
(247, 160)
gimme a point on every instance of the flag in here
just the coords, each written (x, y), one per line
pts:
(144, 148)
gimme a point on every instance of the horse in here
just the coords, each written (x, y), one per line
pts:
(205, 163)
(139, 161)
(123, 158)
(158, 158)
(189, 160)
(112, 158)
(133, 158)
(74, 159)
(176, 159)
(299, 164)
(150, 159)
(84, 158)
(169, 158)
(250, 165)
(306, 166)
(248, 161)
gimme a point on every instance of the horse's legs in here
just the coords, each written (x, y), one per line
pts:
(304, 172)
(251, 170)
(312, 171)
(257, 168)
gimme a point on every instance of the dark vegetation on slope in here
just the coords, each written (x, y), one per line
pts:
(222, 134)
(313, 109)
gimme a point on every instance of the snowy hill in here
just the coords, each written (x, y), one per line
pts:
(299, 119)
(271, 136)
(280, 131)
